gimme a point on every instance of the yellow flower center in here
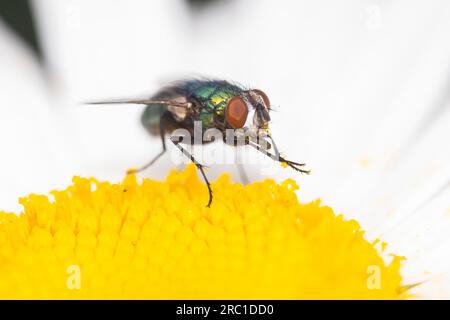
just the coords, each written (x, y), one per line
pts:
(157, 240)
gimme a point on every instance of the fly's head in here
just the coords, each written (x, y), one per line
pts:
(250, 112)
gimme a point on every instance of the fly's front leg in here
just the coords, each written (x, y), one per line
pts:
(176, 141)
(275, 148)
(292, 164)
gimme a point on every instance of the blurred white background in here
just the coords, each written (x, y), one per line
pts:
(361, 88)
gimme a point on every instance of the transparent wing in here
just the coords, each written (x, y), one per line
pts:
(141, 101)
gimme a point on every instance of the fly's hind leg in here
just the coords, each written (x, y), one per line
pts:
(162, 132)
(176, 141)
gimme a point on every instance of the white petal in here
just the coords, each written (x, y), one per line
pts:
(33, 155)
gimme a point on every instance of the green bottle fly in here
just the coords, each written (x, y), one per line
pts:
(213, 104)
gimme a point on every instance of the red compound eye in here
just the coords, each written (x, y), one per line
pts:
(264, 96)
(236, 112)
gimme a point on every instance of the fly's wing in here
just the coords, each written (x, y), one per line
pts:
(180, 107)
(173, 95)
(172, 99)
(148, 102)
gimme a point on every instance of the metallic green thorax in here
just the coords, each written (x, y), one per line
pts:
(213, 97)
(182, 104)
(208, 98)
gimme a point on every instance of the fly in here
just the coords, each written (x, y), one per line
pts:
(215, 104)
